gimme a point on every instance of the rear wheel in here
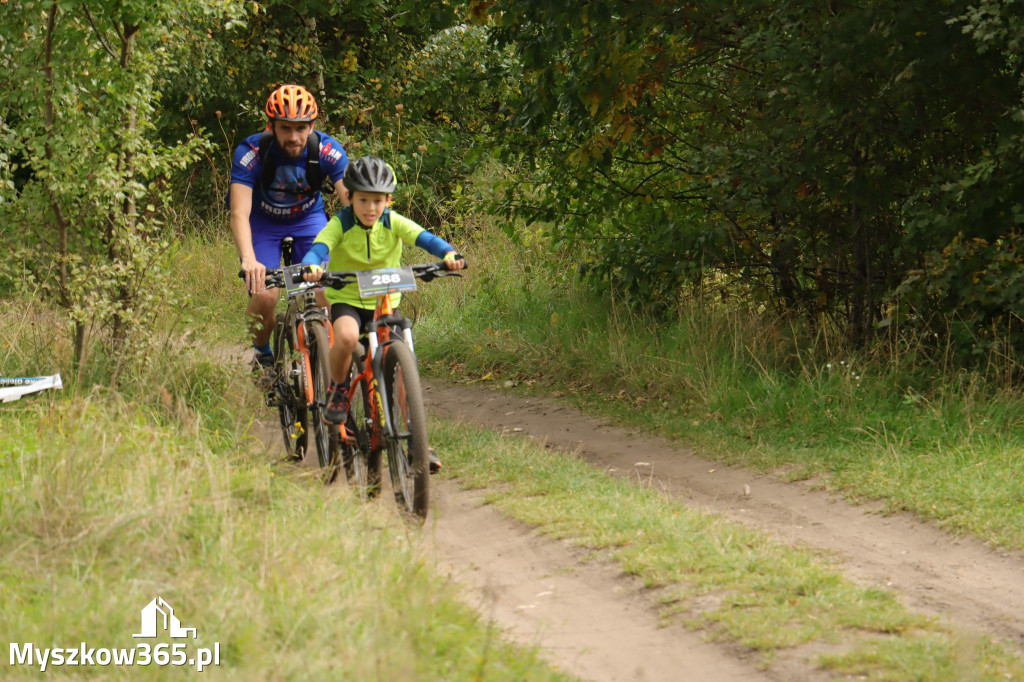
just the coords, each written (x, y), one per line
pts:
(362, 462)
(407, 449)
(289, 392)
(327, 448)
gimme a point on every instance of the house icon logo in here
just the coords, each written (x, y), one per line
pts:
(151, 620)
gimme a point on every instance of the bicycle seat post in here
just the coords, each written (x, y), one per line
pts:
(286, 250)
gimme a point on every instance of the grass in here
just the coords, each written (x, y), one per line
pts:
(112, 497)
(716, 575)
(738, 387)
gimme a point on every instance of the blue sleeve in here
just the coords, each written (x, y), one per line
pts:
(316, 255)
(245, 164)
(433, 244)
(333, 158)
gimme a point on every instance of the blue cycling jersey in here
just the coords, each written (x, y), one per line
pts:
(289, 197)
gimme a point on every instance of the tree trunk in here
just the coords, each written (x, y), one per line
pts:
(61, 222)
(119, 253)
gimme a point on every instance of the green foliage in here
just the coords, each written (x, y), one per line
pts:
(903, 424)
(90, 170)
(112, 109)
(440, 119)
(817, 156)
(389, 78)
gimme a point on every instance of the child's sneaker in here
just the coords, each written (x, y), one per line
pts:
(337, 406)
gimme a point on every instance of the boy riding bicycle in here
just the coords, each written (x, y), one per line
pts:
(363, 236)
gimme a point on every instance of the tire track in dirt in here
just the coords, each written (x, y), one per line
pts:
(958, 579)
(584, 614)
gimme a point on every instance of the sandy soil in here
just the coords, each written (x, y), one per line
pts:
(595, 622)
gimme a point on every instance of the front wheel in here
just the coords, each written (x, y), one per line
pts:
(407, 445)
(289, 391)
(362, 460)
(327, 448)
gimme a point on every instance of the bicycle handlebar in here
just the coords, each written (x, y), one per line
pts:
(337, 280)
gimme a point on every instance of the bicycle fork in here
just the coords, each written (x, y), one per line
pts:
(301, 322)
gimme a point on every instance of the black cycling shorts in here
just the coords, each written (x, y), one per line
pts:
(360, 315)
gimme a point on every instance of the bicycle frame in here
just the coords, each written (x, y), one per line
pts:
(303, 311)
(379, 336)
(306, 313)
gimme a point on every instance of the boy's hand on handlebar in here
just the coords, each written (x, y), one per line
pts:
(312, 273)
(255, 275)
(454, 261)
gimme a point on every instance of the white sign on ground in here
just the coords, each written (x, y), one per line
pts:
(13, 388)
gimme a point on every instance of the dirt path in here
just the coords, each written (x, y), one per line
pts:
(517, 576)
(585, 615)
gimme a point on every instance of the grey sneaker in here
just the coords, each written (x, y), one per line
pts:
(263, 370)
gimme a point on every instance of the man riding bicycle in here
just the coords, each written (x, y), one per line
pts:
(364, 236)
(275, 192)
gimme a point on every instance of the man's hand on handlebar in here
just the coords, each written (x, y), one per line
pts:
(255, 274)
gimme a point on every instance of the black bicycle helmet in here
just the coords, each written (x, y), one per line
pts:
(369, 174)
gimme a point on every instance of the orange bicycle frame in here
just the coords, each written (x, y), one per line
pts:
(383, 334)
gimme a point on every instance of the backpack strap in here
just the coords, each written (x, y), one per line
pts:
(269, 169)
(347, 218)
(314, 173)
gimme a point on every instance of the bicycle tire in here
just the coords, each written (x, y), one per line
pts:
(407, 448)
(362, 463)
(288, 392)
(320, 373)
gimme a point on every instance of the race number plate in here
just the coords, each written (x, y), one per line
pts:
(385, 281)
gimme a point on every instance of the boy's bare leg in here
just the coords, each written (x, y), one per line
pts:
(346, 336)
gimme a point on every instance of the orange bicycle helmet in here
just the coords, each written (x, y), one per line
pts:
(291, 103)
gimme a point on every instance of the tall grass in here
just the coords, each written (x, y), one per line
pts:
(741, 386)
(110, 497)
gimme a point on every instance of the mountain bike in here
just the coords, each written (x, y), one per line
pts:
(298, 387)
(386, 414)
